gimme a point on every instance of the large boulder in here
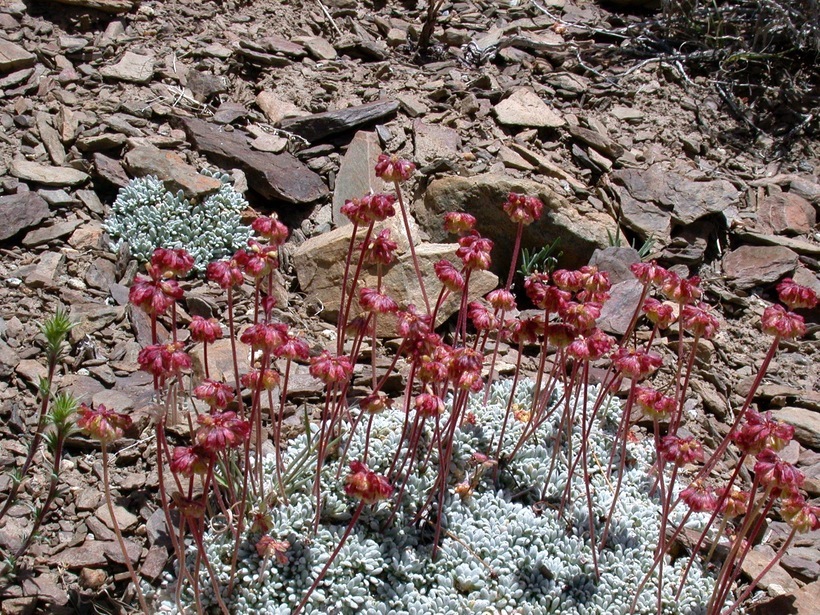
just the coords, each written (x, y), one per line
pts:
(320, 265)
(580, 228)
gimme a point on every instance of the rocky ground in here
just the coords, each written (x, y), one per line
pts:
(296, 100)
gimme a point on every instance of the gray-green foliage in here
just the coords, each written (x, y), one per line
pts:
(148, 216)
(498, 555)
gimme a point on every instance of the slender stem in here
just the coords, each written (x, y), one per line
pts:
(406, 220)
(110, 502)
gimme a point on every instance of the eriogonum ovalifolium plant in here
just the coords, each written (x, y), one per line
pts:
(463, 493)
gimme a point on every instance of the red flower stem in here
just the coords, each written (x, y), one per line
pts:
(508, 411)
(110, 503)
(348, 259)
(345, 308)
(675, 423)
(514, 257)
(405, 219)
(332, 557)
(235, 360)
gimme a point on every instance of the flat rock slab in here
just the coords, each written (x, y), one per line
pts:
(806, 425)
(357, 173)
(580, 228)
(274, 176)
(172, 170)
(46, 175)
(132, 67)
(14, 57)
(750, 266)
(525, 108)
(786, 213)
(106, 6)
(322, 125)
(20, 212)
(435, 142)
(654, 199)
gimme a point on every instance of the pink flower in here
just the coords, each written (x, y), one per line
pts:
(501, 299)
(365, 485)
(258, 260)
(205, 331)
(413, 325)
(270, 379)
(331, 369)
(776, 474)
(375, 403)
(582, 316)
(660, 314)
(372, 300)
(458, 222)
(681, 290)
(293, 349)
(699, 498)
(734, 502)
(382, 250)
(474, 251)
(699, 320)
(526, 331)
(759, 432)
(221, 430)
(190, 460)
(796, 296)
(595, 282)
(799, 514)
(654, 404)
(649, 273)
(172, 262)
(268, 547)
(225, 273)
(780, 323)
(370, 208)
(481, 317)
(101, 423)
(570, 281)
(560, 334)
(523, 209)
(449, 276)
(680, 451)
(215, 394)
(271, 229)
(154, 295)
(394, 169)
(591, 347)
(428, 405)
(163, 360)
(266, 337)
(463, 360)
(636, 364)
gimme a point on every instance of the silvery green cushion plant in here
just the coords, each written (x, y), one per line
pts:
(449, 479)
(503, 550)
(147, 216)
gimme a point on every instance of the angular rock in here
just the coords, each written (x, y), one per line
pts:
(50, 138)
(205, 85)
(106, 6)
(114, 553)
(525, 108)
(786, 213)
(435, 142)
(322, 125)
(8, 360)
(276, 109)
(220, 360)
(174, 172)
(777, 581)
(46, 175)
(13, 57)
(749, 266)
(45, 269)
(655, 198)
(125, 518)
(602, 143)
(580, 228)
(274, 176)
(110, 170)
(357, 175)
(20, 212)
(319, 263)
(91, 554)
(806, 425)
(616, 262)
(319, 49)
(132, 67)
(46, 234)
